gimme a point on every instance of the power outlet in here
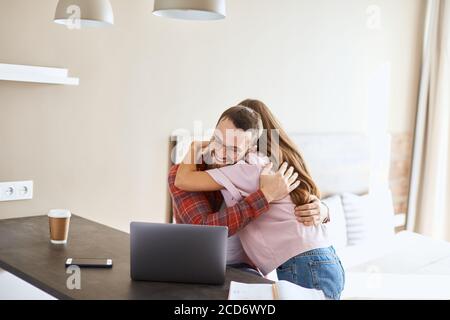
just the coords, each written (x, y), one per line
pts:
(18, 190)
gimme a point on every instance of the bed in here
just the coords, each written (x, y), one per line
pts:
(352, 173)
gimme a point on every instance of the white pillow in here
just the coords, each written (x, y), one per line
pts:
(357, 218)
(336, 228)
(369, 218)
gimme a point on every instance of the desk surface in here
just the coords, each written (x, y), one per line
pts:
(25, 251)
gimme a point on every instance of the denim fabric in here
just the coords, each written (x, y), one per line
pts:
(316, 269)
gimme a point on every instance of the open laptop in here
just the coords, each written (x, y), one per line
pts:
(178, 253)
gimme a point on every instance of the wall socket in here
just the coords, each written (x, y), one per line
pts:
(18, 190)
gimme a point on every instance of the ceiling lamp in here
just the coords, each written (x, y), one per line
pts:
(84, 13)
(191, 9)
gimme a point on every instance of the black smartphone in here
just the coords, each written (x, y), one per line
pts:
(89, 263)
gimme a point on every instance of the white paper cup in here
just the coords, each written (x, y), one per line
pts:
(59, 221)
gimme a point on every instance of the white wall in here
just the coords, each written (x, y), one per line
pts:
(101, 149)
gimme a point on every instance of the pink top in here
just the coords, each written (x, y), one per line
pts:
(275, 236)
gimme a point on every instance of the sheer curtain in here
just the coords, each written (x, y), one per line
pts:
(429, 203)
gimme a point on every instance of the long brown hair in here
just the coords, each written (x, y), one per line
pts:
(287, 151)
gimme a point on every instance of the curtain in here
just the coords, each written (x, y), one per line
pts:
(429, 202)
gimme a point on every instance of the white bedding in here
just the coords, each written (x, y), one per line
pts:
(384, 265)
(387, 286)
(410, 266)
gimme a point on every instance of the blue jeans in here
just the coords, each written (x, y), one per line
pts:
(316, 269)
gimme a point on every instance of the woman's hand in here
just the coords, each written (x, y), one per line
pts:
(188, 178)
(277, 186)
(201, 145)
(195, 154)
(312, 213)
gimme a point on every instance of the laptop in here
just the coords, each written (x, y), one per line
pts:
(178, 253)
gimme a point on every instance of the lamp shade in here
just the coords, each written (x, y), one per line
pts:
(191, 9)
(89, 13)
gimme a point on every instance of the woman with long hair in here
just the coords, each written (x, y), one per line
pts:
(300, 252)
(280, 148)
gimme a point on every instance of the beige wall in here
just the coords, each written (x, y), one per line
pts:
(100, 149)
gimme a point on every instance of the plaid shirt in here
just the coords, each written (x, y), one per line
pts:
(203, 208)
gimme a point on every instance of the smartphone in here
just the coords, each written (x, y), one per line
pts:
(89, 263)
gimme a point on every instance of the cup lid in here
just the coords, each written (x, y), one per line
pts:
(59, 213)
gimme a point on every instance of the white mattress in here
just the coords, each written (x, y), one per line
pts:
(408, 266)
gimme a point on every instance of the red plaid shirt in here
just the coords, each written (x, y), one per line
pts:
(203, 208)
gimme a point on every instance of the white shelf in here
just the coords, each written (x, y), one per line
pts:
(22, 73)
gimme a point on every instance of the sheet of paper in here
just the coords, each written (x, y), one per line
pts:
(290, 291)
(285, 290)
(244, 291)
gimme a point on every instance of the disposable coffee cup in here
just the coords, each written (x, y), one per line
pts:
(59, 220)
